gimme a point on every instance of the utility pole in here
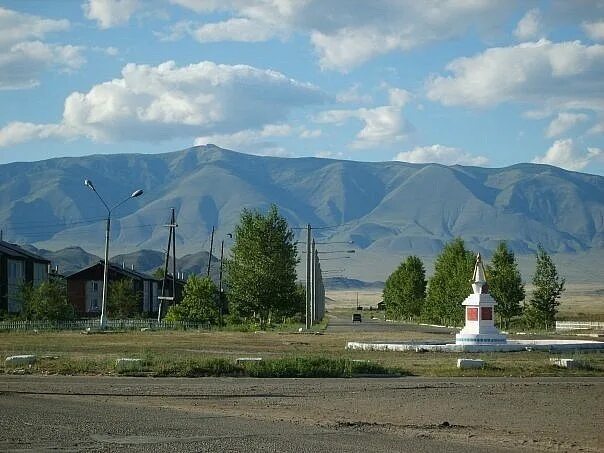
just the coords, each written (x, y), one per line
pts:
(171, 241)
(308, 289)
(313, 283)
(211, 249)
(220, 278)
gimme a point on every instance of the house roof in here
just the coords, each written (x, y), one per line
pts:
(130, 273)
(15, 251)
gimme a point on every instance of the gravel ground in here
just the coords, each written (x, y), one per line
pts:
(301, 415)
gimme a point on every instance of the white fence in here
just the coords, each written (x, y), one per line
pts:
(579, 325)
(112, 324)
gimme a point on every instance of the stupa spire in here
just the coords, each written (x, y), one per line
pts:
(479, 279)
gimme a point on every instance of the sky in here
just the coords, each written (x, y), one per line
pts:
(472, 82)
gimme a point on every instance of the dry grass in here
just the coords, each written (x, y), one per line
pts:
(96, 354)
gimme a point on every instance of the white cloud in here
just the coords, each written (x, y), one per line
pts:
(554, 76)
(23, 57)
(563, 122)
(440, 154)
(347, 33)
(595, 30)
(381, 125)
(251, 141)
(352, 96)
(233, 30)
(151, 103)
(110, 13)
(565, 154)
(530, 26)
(596, 129)
(18, 27)
(311, 133)
(17, 132)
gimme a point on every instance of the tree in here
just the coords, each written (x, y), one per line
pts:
(261, 273)
(46, 301)
(123, 301)
(199, 302)
(505, 283)
(450, 284)
(546, 295)
(405, 289)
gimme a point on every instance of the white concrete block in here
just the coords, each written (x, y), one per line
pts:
(564, 363)
(128, 364)
(470, 363)
(248, 359)
(19, 360)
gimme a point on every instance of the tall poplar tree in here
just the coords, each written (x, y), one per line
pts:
(405, 289)
(505, 284)
(261, 273)
(450, 284)
(549, 287)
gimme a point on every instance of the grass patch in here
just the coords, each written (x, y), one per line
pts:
(314, 367)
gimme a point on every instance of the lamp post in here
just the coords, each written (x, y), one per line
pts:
(136, 193)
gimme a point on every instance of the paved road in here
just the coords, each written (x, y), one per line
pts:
(345, 324)
(41, 413)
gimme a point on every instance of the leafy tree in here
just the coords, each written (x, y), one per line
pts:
(46, 301)
(546, 295)
(261, 273)
(405, 289)
(158, 273)
(450, 284)
(123, 301)
(199, 302)
(505, 283)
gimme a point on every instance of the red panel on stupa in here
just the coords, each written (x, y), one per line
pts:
(472, 314)
(486, 313)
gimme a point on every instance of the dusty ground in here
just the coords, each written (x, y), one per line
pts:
(240, 414)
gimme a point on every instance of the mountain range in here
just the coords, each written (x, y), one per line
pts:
(388, 209)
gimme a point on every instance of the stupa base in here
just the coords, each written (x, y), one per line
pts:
(479, 339)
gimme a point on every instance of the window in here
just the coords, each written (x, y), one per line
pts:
(40, 273)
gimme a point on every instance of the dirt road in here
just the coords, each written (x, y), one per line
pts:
(343, 415)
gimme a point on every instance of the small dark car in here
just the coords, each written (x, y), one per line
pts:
(356, 317)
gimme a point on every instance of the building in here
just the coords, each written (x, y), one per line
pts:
(18, 266)
(85, 288)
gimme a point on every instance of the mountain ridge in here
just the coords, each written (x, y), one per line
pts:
(390, 208)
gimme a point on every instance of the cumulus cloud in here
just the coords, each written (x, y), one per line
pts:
(110, 13)
(530, 26)
(353, 96)
(381, 125)
(595, 30)
(151, 103)
(563, 122)
(440, 154)
(251, 141)
(558, 76)
(24, 57)
(347, 33)
(566, 154)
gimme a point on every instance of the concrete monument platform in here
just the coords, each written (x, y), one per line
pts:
(480, 333)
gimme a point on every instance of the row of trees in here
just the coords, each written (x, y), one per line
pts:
(260, 277)
(408, 295)
(48, 300)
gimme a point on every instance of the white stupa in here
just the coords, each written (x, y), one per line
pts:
(480, 313)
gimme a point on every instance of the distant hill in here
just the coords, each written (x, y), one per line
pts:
(333, 283)
(389, 209)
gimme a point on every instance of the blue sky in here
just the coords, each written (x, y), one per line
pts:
(472, 82)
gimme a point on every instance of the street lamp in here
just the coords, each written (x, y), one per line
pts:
(136, 193)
